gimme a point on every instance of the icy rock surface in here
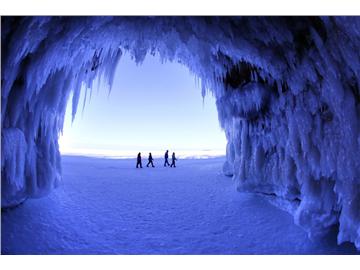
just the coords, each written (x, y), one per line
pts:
(287, 93)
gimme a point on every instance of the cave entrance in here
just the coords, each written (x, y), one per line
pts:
(152, 107)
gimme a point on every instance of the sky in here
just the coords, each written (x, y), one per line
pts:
(153, 106)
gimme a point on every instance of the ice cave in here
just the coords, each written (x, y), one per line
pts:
(287, 91)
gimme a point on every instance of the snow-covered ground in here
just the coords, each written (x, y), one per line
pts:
(106, 206)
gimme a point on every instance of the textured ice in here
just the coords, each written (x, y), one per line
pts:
(287, 91)
(107, 206)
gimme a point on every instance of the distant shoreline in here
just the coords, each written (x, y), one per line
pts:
(156, 153)
(134, 157)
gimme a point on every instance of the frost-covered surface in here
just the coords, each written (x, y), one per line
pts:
(106, 206)
(287, 93)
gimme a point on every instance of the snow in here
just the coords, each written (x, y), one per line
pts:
(106, 206)
(287, 91)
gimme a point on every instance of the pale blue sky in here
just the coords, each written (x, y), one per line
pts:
(152, 106)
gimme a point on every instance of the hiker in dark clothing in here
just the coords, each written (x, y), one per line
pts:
(150, 161)
(166, 158)
(139, 161)
(173, 160)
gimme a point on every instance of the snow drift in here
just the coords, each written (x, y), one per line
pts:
(287, 91)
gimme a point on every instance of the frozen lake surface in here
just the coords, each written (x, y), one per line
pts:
(106, 206)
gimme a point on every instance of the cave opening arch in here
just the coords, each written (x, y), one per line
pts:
(287, 91)
(151, 107)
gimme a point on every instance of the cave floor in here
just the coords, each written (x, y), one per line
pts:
(106, 206)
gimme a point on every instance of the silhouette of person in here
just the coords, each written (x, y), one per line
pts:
(139, 161)
(166, 158)
(173, 160)
(150, 161)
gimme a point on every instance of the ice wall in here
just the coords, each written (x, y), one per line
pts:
(287, 94)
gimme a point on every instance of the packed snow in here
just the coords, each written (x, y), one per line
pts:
(287, 91)
(107, 206)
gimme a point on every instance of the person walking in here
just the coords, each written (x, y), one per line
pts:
(150, 161)
(173, 160)
(166, 158)
(138, 161)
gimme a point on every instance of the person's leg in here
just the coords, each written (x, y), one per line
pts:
(152, 164)
(140, 165)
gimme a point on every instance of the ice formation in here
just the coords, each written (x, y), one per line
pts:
(287, 91)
